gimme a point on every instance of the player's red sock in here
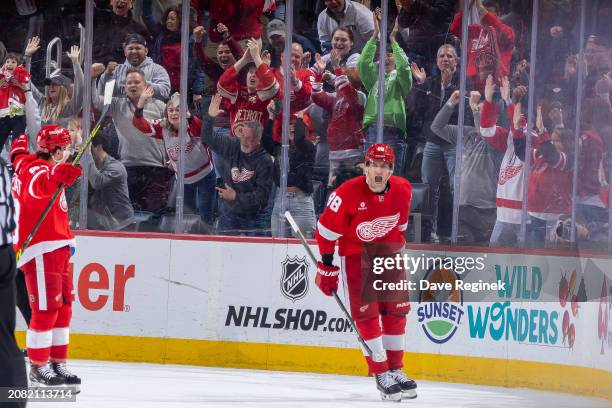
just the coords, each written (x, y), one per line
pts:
(393, 339)
(395, 358)
(59, 345)
(375, 367)
(371, 333)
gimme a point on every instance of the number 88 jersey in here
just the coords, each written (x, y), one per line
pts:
(355, 215)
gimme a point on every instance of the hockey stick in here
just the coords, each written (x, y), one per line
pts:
(377, 357)
(108, 97)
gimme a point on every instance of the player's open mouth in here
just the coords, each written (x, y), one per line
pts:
(378, 179)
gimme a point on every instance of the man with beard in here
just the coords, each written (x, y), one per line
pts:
(136, 51)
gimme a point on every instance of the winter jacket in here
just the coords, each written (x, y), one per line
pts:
(397, 85)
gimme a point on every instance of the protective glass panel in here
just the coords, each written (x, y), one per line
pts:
(41, 56)
(130, 179)
(592, 151)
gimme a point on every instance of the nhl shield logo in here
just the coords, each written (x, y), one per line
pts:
(294, 279)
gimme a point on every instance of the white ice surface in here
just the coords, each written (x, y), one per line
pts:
(119, 385)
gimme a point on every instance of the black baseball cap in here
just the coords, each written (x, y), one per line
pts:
(58, 79)
(134, 38)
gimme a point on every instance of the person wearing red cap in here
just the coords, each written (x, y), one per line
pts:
(368, 216)
(45, 261)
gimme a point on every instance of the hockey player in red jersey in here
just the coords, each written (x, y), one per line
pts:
(368, 215)
(45, 260)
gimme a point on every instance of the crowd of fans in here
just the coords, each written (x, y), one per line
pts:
(236, 86)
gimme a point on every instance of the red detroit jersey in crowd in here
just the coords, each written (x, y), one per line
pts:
(245, 106)
(355, 215)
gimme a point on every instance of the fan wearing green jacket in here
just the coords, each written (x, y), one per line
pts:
(398, 81)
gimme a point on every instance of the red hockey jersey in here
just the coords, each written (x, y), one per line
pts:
(247, 107)
(355, 216)
(32, 189)
(491, 45)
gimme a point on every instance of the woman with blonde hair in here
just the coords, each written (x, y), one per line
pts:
(62, 100)
(199, 175)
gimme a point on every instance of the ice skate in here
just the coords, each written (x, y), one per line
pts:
(44, 376)
(69, 378)
(389, 389)
(407, 385)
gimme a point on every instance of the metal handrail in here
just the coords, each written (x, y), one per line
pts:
(58, 56)
(57, 43)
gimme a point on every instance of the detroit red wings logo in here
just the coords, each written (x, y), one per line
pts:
(173, 150)
(377, 228)
(63, 203)
(241, 175)
(508, 173)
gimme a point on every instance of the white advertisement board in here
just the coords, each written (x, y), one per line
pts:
(552, 309)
